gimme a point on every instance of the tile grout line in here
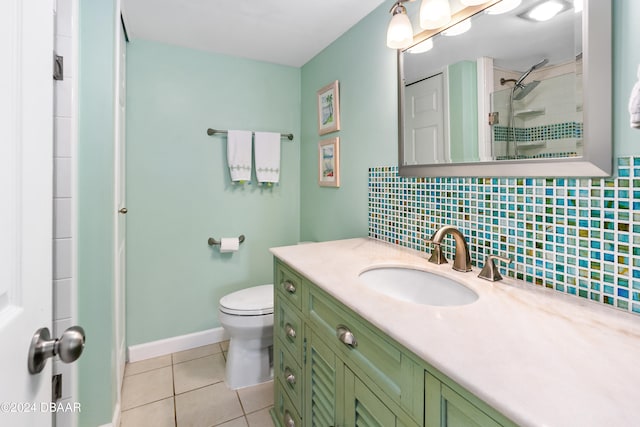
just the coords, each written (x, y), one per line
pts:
(197, 358)
(174, 396)
(198, 388)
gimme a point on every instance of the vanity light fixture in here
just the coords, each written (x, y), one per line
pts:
(460, 28)
(434, 14)
(503, 7)
(400, 31)
(577, 6)
(545, 10)
(422, 47)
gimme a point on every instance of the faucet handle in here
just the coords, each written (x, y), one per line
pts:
(490, 271)
(437, 257)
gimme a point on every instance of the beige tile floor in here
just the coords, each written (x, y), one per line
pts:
(187, 389)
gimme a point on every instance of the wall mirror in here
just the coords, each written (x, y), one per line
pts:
(510, 96)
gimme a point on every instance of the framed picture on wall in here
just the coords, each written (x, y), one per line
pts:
(328, 108)
(329, 162)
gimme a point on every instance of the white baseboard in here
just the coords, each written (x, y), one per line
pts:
(174, 344)
(116, 415)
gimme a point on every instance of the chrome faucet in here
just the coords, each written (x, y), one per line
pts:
(461, 257)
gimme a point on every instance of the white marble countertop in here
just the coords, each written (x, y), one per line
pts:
(539, 357)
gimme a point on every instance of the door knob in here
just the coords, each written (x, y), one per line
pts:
(123, 210)
(69, 347)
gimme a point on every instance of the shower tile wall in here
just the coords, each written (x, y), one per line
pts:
(63, 217)
(547, 122)
(577, 236)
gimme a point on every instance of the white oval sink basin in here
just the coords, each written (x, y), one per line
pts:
(420, 287)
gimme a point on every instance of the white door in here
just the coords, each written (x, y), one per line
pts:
(120, 256)
(26, 167)
(424, 122)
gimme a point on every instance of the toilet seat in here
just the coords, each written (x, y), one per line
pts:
(254, 301)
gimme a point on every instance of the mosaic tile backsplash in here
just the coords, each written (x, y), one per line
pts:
(577, 236)
(539, 133)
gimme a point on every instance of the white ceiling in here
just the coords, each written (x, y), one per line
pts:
(288, 32)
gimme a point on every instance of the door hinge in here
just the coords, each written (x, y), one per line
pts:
(494, 118)
(56, 387)
(58, 67)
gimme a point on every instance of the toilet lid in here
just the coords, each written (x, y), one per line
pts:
(253, 301)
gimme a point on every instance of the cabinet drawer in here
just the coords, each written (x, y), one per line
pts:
(286, 413)
(289, 284)
(372, 355)
(290, 375)
(288, 327)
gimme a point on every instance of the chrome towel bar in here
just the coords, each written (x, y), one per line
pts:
(210, 131)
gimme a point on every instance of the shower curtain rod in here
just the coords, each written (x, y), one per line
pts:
(210, 131)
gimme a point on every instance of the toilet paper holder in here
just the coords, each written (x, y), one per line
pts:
(213, 241)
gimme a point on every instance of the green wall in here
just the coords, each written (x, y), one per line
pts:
(178, 188)
(366, 69)
(96, 367)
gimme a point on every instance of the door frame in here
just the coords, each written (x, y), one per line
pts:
(119, 218)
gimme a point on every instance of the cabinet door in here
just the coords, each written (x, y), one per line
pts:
(364, 409)
(323, 372)
(446, 408)
(459, 412)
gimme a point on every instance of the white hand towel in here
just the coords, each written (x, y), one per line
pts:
(239, 154)
(267, 151)
(634, 104)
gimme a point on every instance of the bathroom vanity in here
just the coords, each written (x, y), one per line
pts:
(346, 354)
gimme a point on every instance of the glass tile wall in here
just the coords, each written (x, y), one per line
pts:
(577, 236)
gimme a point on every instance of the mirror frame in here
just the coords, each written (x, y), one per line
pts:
(597, 158)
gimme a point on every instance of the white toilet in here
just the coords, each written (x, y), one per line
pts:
(247, 316)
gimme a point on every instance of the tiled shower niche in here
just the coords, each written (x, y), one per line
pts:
(577, 236)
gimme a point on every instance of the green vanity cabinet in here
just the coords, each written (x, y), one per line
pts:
(333, 368)
(288, 347)
(336, 396)
(447, 407)
(324, 371)
(365, 408)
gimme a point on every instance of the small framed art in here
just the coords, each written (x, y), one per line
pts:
(328, 108)
(329, 162)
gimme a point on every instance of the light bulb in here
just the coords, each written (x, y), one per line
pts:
(434, 14)
(545, 11)
(503, 7)
(577, 6)
(422, 47)
(459, 28)
(400, 32)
